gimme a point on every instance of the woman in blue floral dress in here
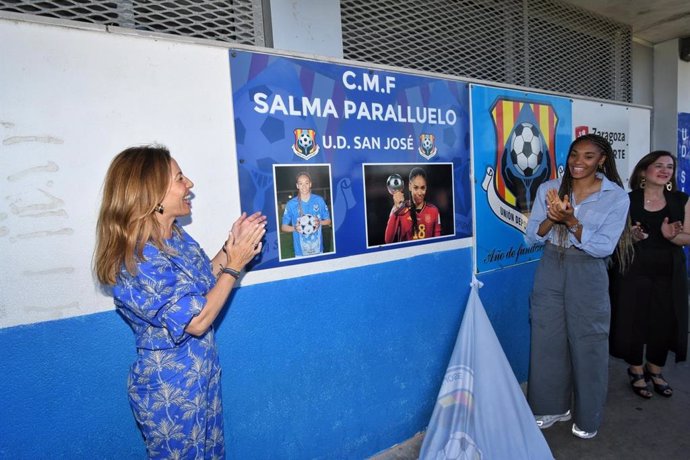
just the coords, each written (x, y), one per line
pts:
(170, 293)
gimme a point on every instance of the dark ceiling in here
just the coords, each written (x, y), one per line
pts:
(652, 21)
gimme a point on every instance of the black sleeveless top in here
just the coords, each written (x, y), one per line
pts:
(651, 220)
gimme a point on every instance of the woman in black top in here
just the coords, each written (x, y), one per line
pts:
(650, 301)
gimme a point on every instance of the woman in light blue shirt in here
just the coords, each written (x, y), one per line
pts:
(580, 217)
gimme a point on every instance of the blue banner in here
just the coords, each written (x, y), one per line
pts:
(480, 410)
(683, 172)
(520, 140)
(346, 160)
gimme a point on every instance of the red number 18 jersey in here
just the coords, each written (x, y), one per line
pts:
(399, 227)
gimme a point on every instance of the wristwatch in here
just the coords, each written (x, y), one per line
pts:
(574, 228)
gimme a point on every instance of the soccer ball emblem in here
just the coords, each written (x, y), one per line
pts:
(305, 145)
(459, 447)
(305, 142)
(394, 183)
(525, 149)
(426, 148)
(308, 224)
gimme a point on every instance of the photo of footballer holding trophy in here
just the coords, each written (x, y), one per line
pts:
(422, 202)
(412, 219)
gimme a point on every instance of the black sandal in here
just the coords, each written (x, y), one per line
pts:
(642, 392)
(664, 389)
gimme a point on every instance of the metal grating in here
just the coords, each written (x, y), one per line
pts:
(542, 44)
(238, 21)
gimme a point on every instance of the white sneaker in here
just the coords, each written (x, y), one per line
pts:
(545, 421)
(583, 434)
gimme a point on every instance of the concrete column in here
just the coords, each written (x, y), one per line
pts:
(666, 94)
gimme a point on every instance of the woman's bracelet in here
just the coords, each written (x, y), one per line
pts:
(574, 228)
(234, 273)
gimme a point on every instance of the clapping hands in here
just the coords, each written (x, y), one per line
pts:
(669, 230)
(244, 240)
(558, 210)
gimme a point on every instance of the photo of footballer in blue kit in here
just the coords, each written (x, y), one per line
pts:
(305, 215)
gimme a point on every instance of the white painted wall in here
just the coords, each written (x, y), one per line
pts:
(70, 100)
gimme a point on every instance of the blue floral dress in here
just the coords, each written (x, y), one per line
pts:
(174, 385)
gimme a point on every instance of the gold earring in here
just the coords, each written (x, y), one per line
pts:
(159, 208)
(643, 183)
(669, 186)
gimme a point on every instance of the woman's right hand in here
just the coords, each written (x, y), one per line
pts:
(638, 232)
(398, 199)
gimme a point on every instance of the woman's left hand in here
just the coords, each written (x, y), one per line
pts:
(671, 229)
(553, 200)
(244, 223)
(242, 249)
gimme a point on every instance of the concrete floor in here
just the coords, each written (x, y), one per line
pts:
(633, 428)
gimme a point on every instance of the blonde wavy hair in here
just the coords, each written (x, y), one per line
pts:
(135, 184)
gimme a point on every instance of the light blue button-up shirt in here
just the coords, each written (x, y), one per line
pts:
(603, 217)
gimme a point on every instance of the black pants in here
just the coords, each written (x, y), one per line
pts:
(653, 316)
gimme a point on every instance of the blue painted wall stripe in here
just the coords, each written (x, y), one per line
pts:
(335, 365)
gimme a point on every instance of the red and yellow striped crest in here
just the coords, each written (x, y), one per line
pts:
(507, 115)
